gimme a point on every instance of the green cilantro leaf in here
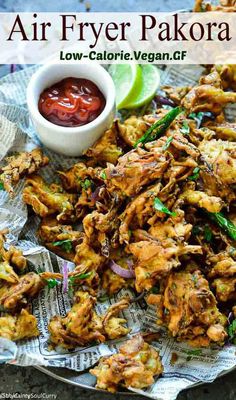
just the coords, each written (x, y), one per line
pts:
(66, 245)
(86, 184)
(185, 130)
(103, 175)
(51, 283)
(74, 278)
(167, 143)
(159, 206)
(208, 234)
(200, 116)
(1, 186)
(195, 175)
(232, 331)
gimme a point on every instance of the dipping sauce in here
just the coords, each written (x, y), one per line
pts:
(71, 102)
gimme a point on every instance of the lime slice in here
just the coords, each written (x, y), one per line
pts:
(150, 83)
(128, 82)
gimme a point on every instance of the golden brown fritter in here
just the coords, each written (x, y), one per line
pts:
(18, 294)
(208, 95)
(132, 129)
(225, 130)
(87, 256)
(222, 156)
(82, 325)
(189, 310)
(60, 239)
(17, 167)
(156, 259)
(136, 169)
(106, 148)
(17, 327)
(175, 227)
(201, 199)
(100, 227)
(47, 200)
(78, 176)
(138, 212)
(112, 282)
(175, 93)
(13, 256)
(136, 365)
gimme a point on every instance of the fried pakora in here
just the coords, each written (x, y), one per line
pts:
(136, 365)
(17, 327)
(48, 199)
(21, 165)
(17, 294)
(82, 325)
(189, 310)
(58, 238)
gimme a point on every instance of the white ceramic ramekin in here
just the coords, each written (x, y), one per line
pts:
(65, 140)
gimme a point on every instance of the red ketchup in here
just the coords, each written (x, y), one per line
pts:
(71, 102)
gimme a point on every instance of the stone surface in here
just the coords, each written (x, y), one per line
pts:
(29, 380)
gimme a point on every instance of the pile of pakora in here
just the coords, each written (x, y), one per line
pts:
(151, 206)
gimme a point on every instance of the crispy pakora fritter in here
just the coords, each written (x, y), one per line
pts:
(58, 238)
(13, 256)
(189, 310)
(82, 325)
(156, 259)
(106, 149)
(48, 199)
(15, 295)
(208, 95)
(221, 155)
(136, 169)
(17, 327)
(21, 165)
(136, 365)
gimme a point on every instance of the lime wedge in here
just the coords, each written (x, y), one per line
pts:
(128, 82)
(150, 84)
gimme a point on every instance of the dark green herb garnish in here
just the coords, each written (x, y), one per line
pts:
(196, 230)
(167, 143)
(103, 298)
(86, 184)
(195, 174)
(159, 206)
(208, 233)
(1, 186)
(74, 278)
(159, 127)
(103, 175)
(66, 245)
(224, 223)
(200, 116)
(51, 283)
(155, 289)
(185, 130)
(194, 279)
(232, 332)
